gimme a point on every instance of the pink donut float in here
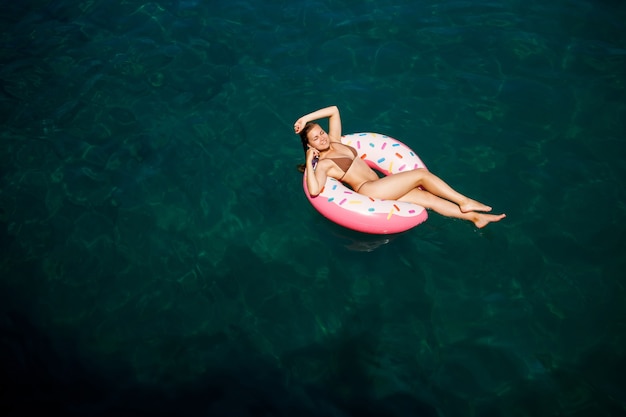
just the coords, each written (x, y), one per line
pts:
(355, 211)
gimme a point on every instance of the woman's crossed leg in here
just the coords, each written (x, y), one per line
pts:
(422, 187)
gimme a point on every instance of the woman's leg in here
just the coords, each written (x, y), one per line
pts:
(447, 208)
(394, 186)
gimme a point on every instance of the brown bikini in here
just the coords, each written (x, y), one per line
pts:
(344, 163)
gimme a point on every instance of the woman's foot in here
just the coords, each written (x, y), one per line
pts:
(473, 205)
(481, 219)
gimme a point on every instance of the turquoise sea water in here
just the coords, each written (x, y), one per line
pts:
(158, 255)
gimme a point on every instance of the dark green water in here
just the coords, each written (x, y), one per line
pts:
(158, 256)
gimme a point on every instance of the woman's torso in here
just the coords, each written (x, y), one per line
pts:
(356, 173)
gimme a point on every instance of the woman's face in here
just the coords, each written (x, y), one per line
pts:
(318, 138)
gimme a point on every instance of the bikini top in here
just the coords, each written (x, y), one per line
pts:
(344, 163)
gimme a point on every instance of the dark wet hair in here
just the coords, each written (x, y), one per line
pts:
(304, 135)
(305, 141)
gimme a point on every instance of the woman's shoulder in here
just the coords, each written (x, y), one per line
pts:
(325, 163)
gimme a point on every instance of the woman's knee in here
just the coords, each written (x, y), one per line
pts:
(418, 175)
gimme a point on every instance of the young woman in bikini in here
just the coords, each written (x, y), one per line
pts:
(339, 161)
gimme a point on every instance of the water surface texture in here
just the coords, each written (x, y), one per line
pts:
(158, 255)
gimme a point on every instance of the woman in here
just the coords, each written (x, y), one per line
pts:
(339, 161)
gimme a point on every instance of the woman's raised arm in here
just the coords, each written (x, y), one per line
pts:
(334, 121)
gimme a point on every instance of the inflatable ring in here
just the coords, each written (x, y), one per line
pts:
(355, 211)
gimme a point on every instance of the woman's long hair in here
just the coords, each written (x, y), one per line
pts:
(305, 141)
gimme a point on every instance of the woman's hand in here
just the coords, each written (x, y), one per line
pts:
(314, 177)
(299, 125)
(311, 153)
